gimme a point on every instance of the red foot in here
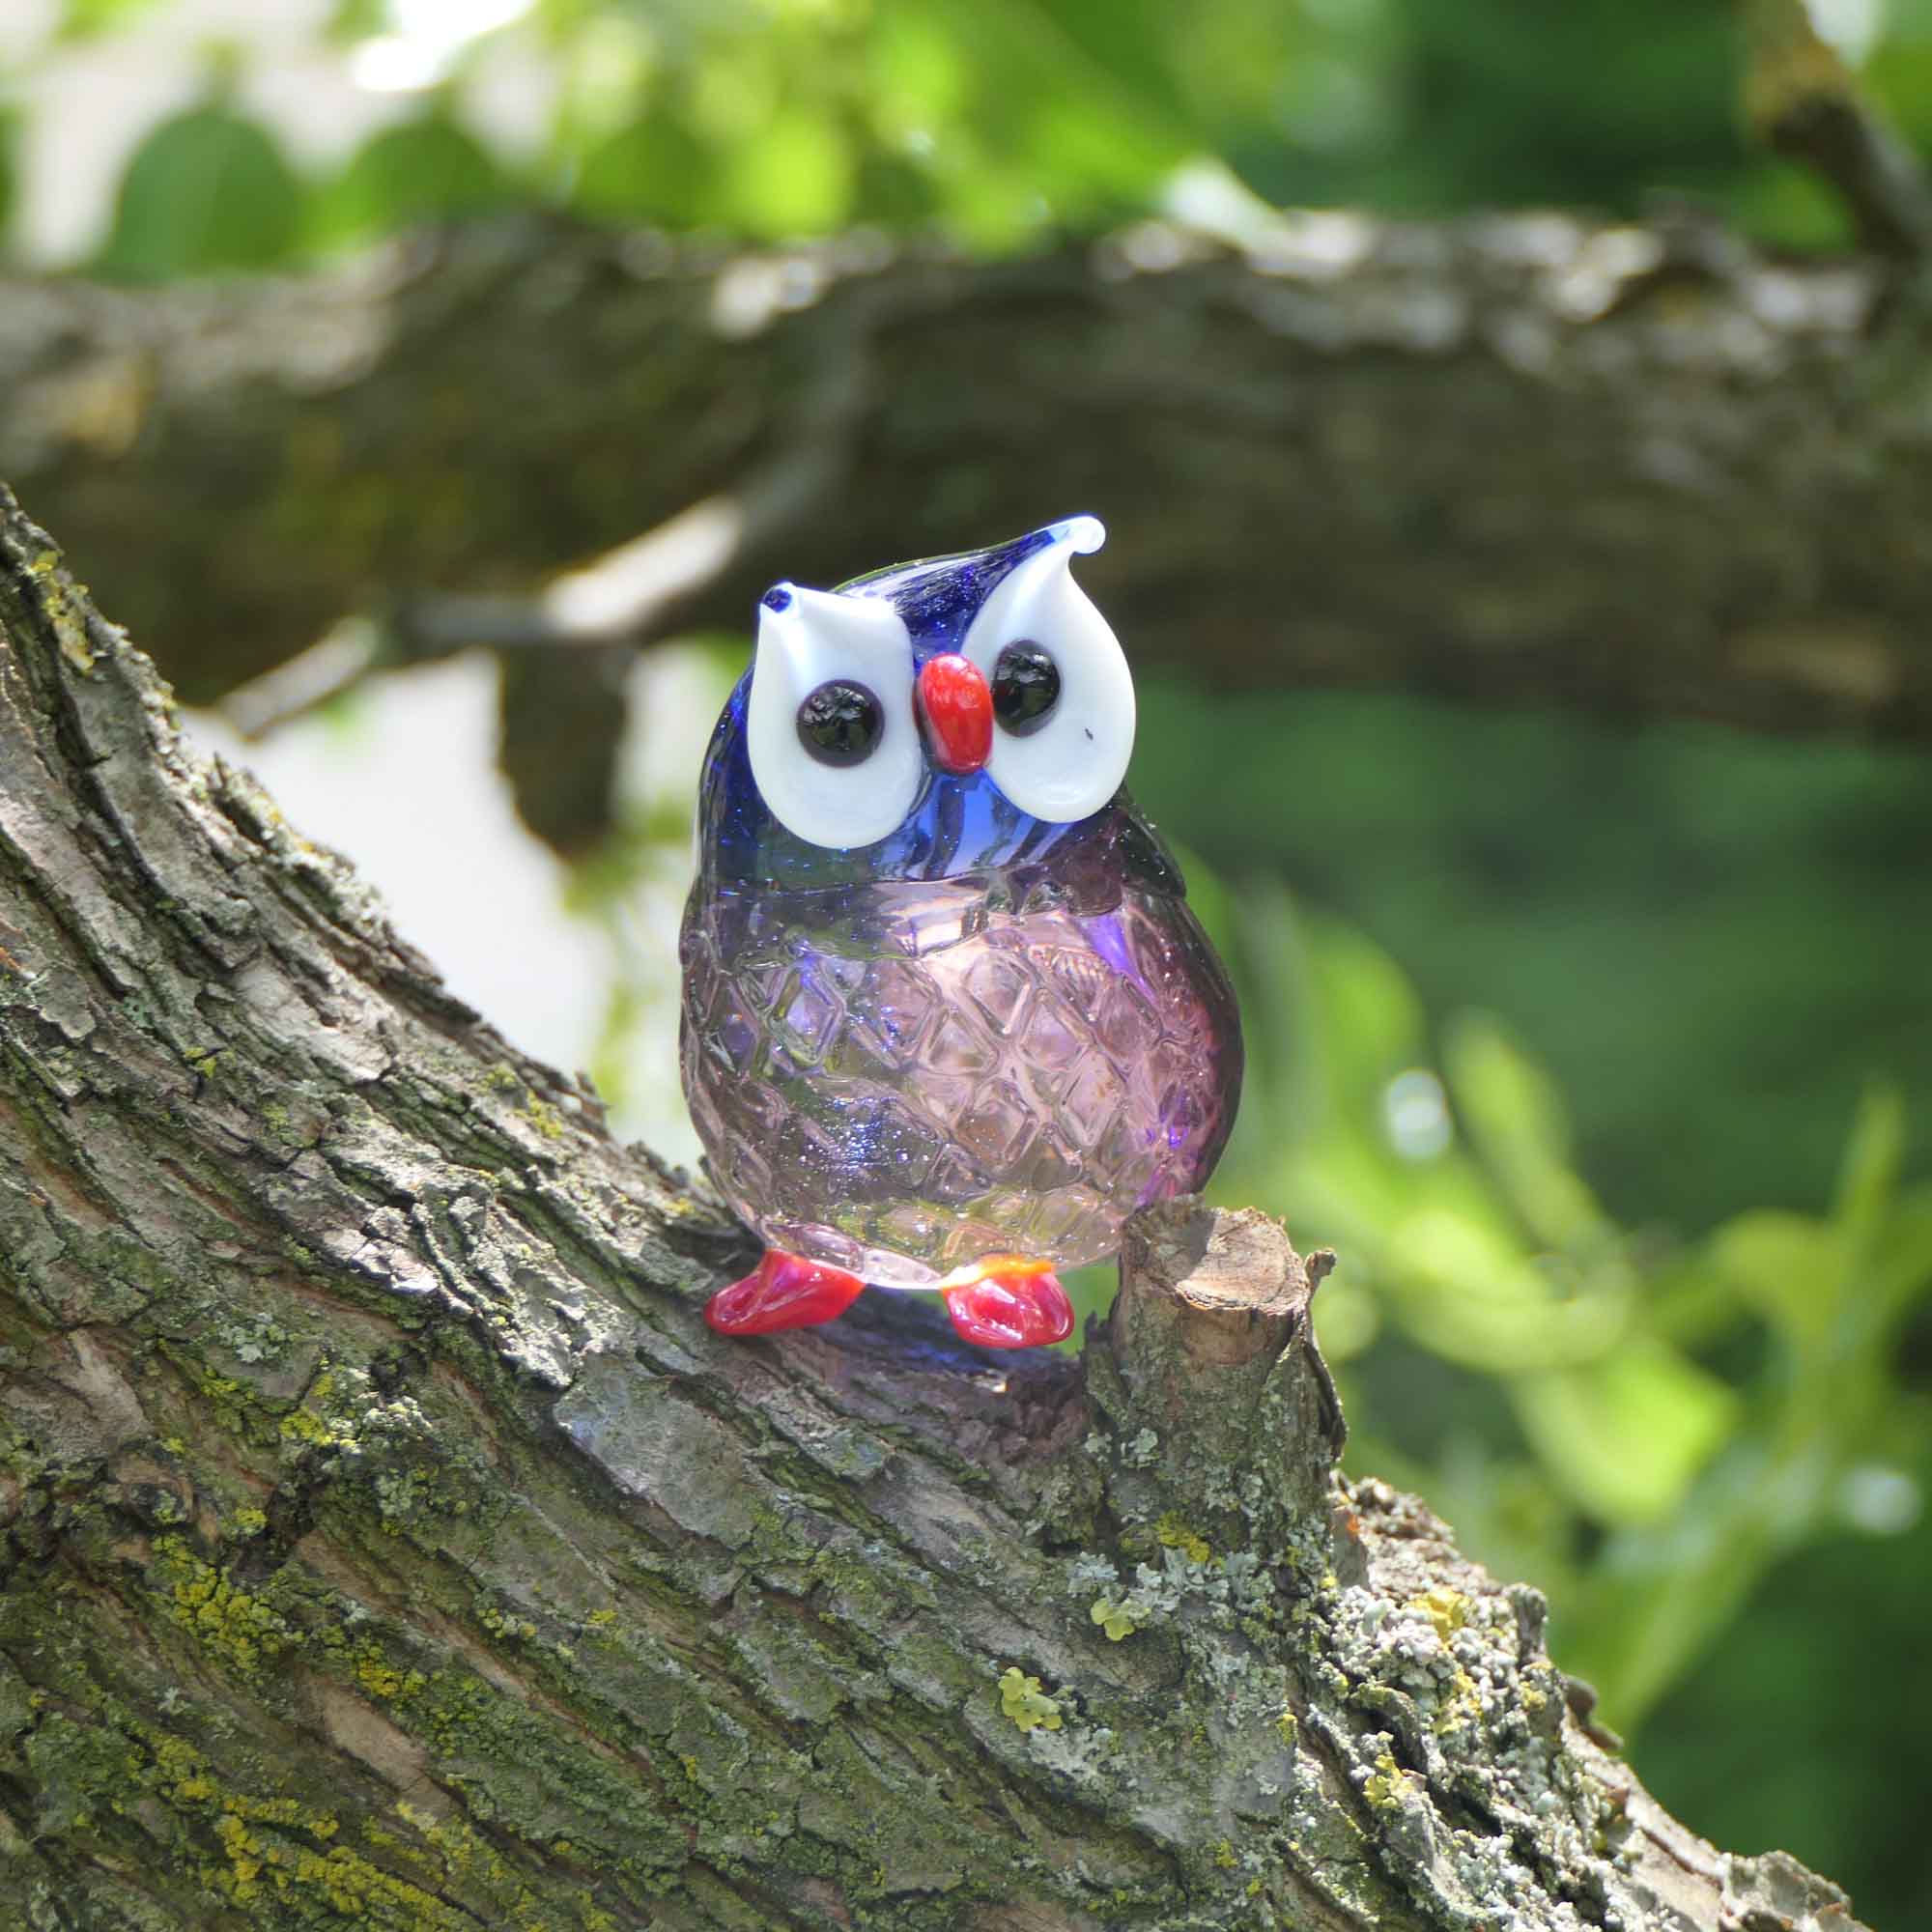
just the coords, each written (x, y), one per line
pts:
(1012, 1309)
(783, 1291)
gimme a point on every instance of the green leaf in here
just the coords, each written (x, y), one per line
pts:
(1899, 75)
(1127, 41)
(1113, 55)
(1693, 1304)
(655, 169)
(792, 177)
(1791, 206)
(351, 20)
(1372, 1017)
(1873, 1156)
(1790, 1267)
(1465, 1290)
(1074, 145)
(1898, 1274)
(1801, 1273)
(1627, 1435)
(918, 80)
(1659, 1594)
(430, 169)
(1515, 1116)
(893, 189)
(84, 19)
(995, 207)
(206, 191)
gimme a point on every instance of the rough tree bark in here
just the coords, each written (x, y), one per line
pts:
(1705, 486)
(387, 1542)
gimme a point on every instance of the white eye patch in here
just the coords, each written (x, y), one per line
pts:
(833, 738)
(1062, 694)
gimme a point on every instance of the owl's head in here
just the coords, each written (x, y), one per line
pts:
(928, 719)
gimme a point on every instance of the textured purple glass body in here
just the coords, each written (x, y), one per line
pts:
(904, 1076)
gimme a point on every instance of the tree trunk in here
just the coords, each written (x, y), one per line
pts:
(388, 1541)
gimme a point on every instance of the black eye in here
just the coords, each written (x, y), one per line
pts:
(1026, 687)
(839, 723)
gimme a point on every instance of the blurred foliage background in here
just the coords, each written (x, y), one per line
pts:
(1597, 1052)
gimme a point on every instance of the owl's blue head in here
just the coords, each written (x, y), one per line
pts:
(937, 718)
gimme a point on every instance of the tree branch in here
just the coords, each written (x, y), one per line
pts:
(388, 1541)
(1702, 488)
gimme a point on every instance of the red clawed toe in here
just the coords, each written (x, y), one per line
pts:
(783, 1292)
(1013, 1304)
(1011, 1309)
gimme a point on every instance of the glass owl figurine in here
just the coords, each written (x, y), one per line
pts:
(947, 1020)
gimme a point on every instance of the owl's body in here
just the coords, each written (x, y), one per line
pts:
(903, 1077)
(961, 1052)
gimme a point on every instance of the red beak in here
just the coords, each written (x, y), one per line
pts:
(958, 713)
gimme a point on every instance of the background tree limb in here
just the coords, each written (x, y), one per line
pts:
(1705, 486)
(388, 1541)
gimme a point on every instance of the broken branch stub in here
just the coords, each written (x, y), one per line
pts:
(1215, 1357)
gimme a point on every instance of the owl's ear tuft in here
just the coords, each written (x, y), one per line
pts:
(1083, 534)
(1062, 694)
(810, 625)
(856, 651)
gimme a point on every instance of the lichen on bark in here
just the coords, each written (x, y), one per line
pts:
(389, 1542)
